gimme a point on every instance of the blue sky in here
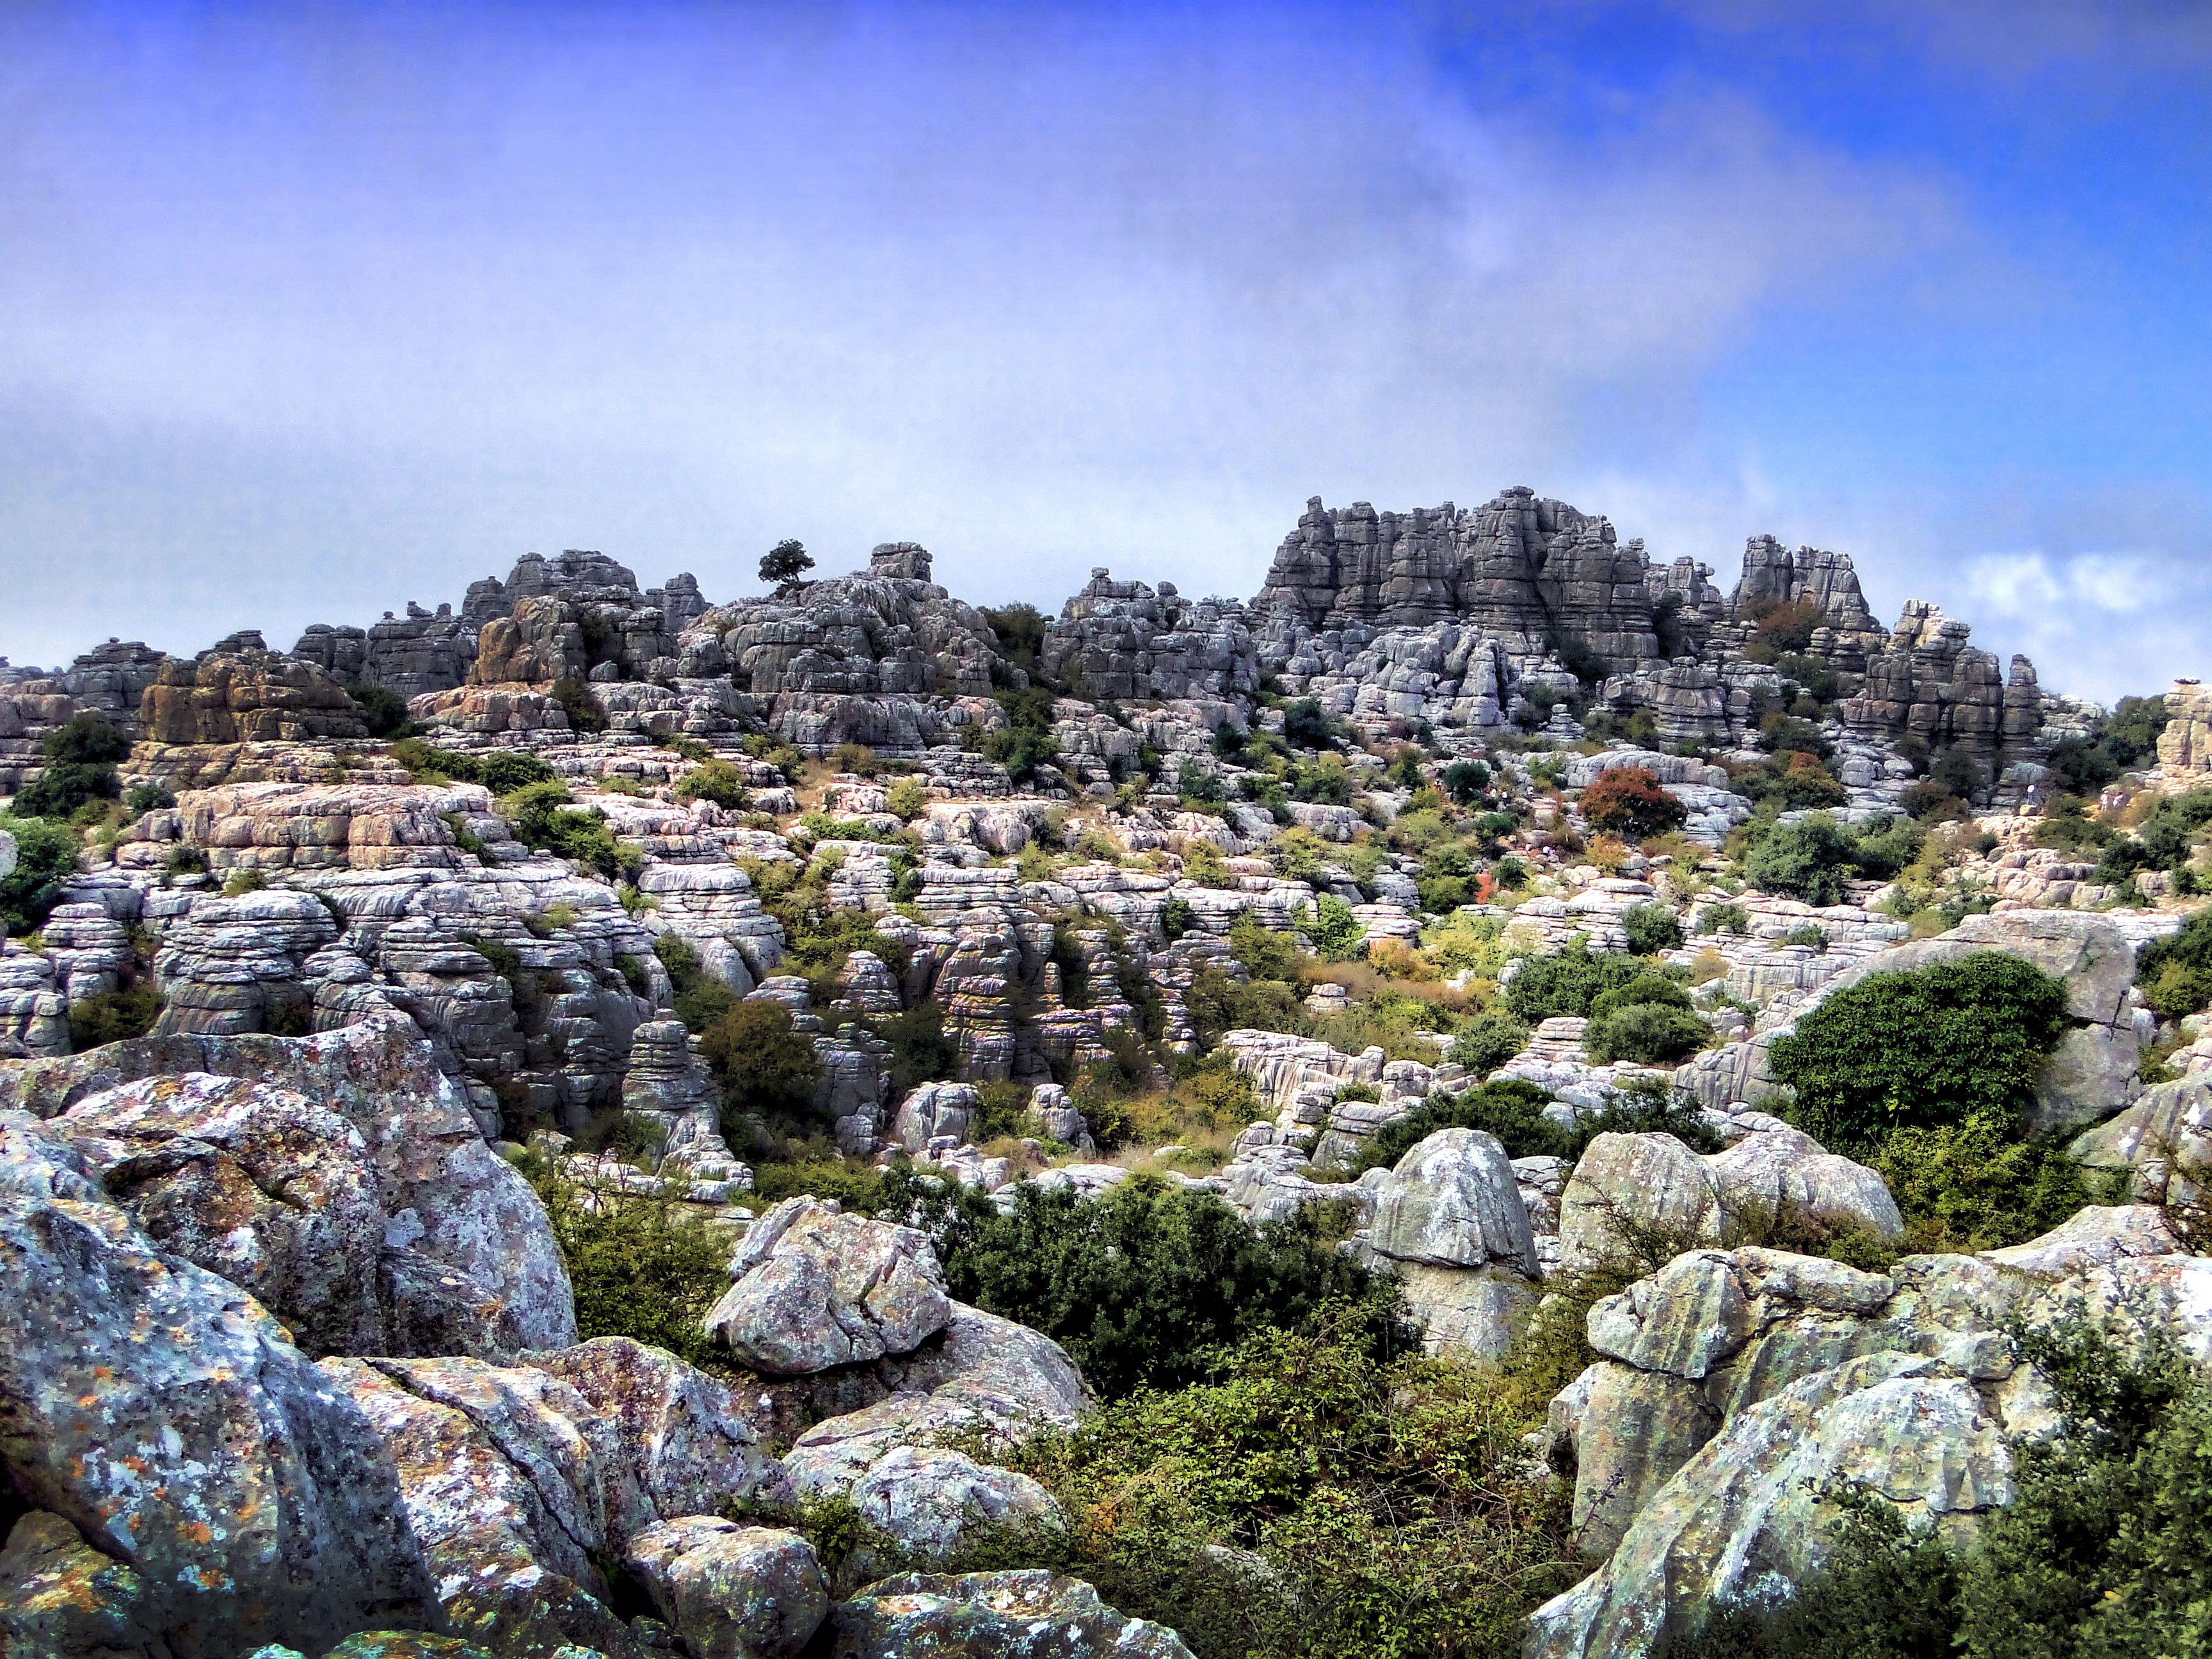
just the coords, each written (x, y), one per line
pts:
(306, 311)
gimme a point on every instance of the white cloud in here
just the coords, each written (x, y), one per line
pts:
(1042, 292)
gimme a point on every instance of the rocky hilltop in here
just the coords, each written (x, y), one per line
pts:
(391, 1026)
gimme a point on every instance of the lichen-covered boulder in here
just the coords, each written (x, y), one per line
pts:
(926, 1498)
(161, 1412)
(681, 1437)
(814, 1288)
(732, 1591)
(987, 1377)
(270, 1190)
(463, 1227)
(1645, 1181)
(1029, 1615)
(1453, 1202)
(1743, 1518)
(514, 1486)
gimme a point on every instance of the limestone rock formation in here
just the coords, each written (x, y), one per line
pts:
(251, 695)
(812, 1288)
(736, 1592)
(1032, 1613)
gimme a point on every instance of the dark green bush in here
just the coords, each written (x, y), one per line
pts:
(1304, 727)
(1026, 742)
(1489, 1042)
(1976, 1185)
(46, 857)
(1648, 1033)
(423, 761)
(1651, 928)
(1513, 1110)
(1808, 860)
(580, 704)
(80, 767)
(1146, 1284)
(643, 1267)
(2176, 972)
(716, 780)
(114, 1016)
(1724, 919)
(922, 1050)
(766, 1065)
(1465, 781)
(1176, 919)
(1565, 985)
(383, 711)
(541, 817)
(505, 770)
(147, 797)
(1922, 1048)
(1645, 987)
(1310, 1502)
(701, 999)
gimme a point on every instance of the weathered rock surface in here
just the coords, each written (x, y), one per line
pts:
(465, 1237)
(735, 1592)
(994, 1615)
(268, 1511)
(812, 1288)
(1731, 1379)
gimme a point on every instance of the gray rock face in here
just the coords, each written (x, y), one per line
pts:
(1034, 1614)
(457, 1214)
(1730, 1379)
(1126, 640)
(265, 1512)
(672, 1089)
(1453, 1203)
(516, 1490)
(927, 1497)
(934, 1110)
(813, 1288)
(734, 1592)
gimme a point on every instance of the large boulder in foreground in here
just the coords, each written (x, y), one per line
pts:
(468, 1264)
(198, 1486)
(813, 1287)
(994, 1615)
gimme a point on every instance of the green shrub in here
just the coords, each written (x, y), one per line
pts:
(766, 1065)
(716, 780)
(80, 767)
(542, 819)
(1648, 1033)
(1336, 932)
(1566, 984)
(580, 704)
(251, 879)
(908, 798)
(1808, 860)
(1146, 1284)
(2176, 972)
(1312, 1499)
(642, 1267)
(1646, 987)
(147, 797)
(922, 1050)
(1465, 780)
(1218, 1004)
(46, 857)
(700, 1000)
(1026, 742)
(1304, 727)
(505, 770)
(114, 1016)
(1488, 1043)
(383, 711)
(1264, 953)
(1922, 1048)
(1724, 919)
(1977, 1186)
(423, 762)
(1651, 928)
(1513, 1110)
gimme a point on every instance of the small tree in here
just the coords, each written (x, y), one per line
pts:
(782, 565)
(1628, 801)
(765, 1063)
